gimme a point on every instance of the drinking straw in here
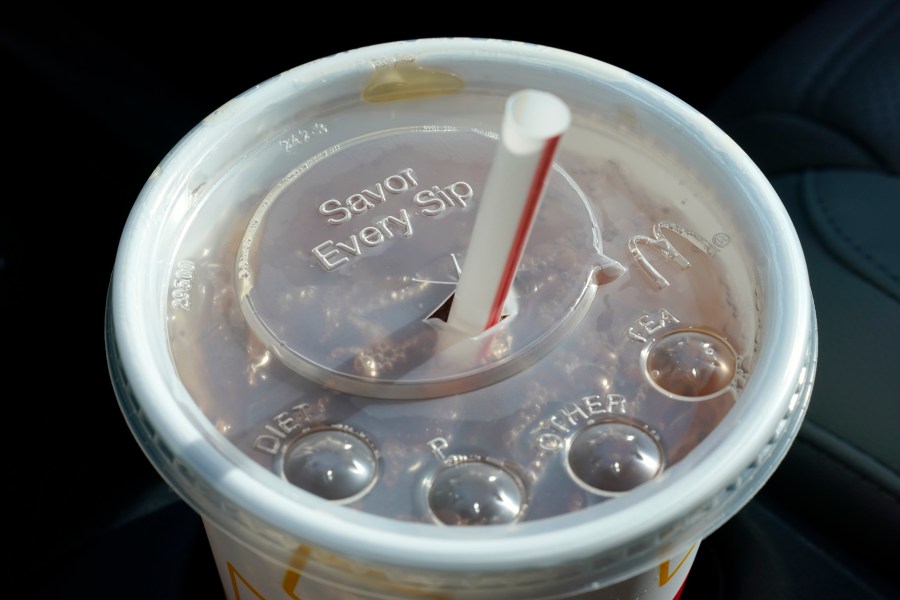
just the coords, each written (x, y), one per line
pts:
(533, 123)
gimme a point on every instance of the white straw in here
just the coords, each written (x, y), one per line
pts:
(533, 123)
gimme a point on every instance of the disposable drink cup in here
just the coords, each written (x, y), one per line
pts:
(278, 341)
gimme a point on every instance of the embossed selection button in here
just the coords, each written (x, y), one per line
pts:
(614, 457)
(691, 364)
(476, 493)
(334, 464)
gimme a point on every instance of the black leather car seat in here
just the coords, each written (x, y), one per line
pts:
(820, 114)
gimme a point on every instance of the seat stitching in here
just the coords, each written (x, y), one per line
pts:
(806, 86)
(846, 468)
(812, 193)
(792, 117)
(855, 54)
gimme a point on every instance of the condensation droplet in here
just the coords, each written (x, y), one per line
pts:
(614, 457)
(332, 464)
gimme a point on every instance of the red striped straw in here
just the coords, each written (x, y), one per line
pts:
(533, 123)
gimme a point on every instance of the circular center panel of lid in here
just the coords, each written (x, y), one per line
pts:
(347, 268)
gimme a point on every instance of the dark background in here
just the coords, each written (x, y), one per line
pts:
(92, 101)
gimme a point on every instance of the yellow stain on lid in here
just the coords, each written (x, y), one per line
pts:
(405, 80)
